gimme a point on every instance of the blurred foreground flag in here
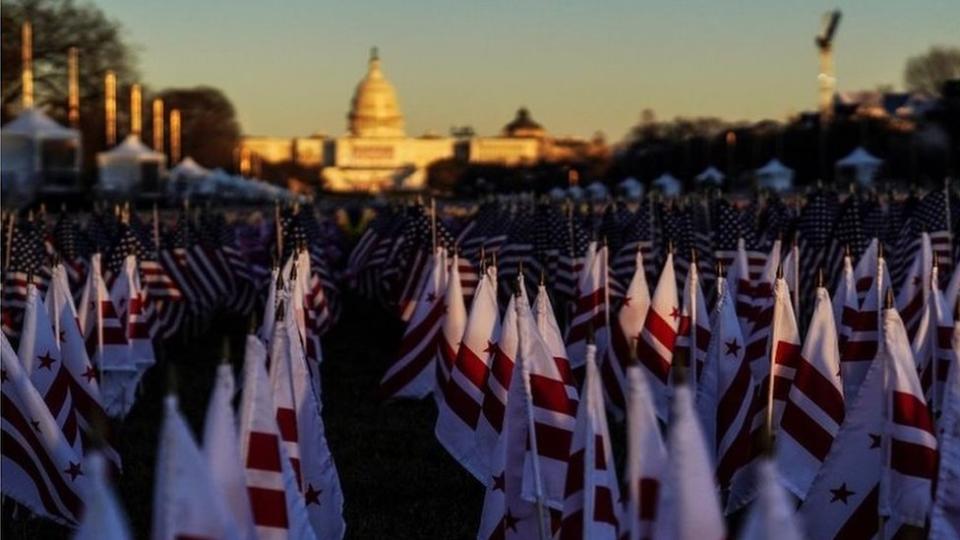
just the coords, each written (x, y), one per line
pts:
(103, 517)
(40, 470)
(185, 502)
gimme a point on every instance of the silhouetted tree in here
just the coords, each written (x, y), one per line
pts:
(209, 127)
(57, 26)
(927, 72)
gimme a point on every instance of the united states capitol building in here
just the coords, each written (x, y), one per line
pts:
(376, 154)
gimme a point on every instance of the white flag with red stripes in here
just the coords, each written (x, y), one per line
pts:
(659, 335)
(646, 460)
(459, 412)
(496, 391)
(914, 293)
(452, 329)
(945, 515)
(693, 335)
(592, 308)
(911, 463)
(552, 338)
(131, 302)
(814, 407)
(770, 394)
(623, 333)
(302, 431)
(932, 346)
(507, 514)
(887, 440)
(84, 386)
(43, 362)
(591, 496)
(272, 486)
(861, 347)
(106, 336)
(865, 273)
(725, 388)
(553, 410)
(40, 470)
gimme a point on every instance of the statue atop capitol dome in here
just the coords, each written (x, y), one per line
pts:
(374, 110)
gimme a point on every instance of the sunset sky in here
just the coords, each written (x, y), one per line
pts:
(290, 66)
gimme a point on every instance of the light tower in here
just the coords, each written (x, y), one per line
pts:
(826, 78)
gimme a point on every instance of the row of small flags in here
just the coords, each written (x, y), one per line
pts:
(270, 475)
(550, 239)
(77, 363)
(190, 268)
(853, 420)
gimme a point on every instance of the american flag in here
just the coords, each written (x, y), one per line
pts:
(930, 216)
(814, 227)
(28, 263)
(638, 234)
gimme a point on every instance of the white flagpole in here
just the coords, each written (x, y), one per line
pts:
(99, 308)
(694, 286)
(777, 307)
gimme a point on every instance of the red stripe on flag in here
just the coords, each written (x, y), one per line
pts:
(863, 522)
(269, 507)
(806, 431)
(649, 498)
(910, 411)
(552, 442)
(263, 452)
(550, 394)
(287, 422)
(819, 390)
(913, 459)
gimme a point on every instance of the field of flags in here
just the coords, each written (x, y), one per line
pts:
(696, 367)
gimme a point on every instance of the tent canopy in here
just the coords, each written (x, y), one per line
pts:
(130, 149)
(596, 190)
(667, 183)
(189, 168)
(711, 175)
(859, 157)
(34, 124)
(775, 175)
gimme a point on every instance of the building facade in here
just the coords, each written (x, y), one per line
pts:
(377, 155)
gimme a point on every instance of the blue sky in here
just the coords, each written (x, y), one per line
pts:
(290, 66)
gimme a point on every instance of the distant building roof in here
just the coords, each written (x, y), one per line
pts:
(523, 125)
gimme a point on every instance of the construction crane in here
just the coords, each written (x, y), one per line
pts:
(826, 79)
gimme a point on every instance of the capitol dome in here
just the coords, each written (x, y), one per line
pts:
(374, 111)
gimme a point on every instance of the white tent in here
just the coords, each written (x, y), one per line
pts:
(575, 192)
(188, 168)
(36, 152)
(668, 184)
(859, 164)
(775, 175)
(130, 168)
(711, 175)
(597, 191)
(631, 188)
